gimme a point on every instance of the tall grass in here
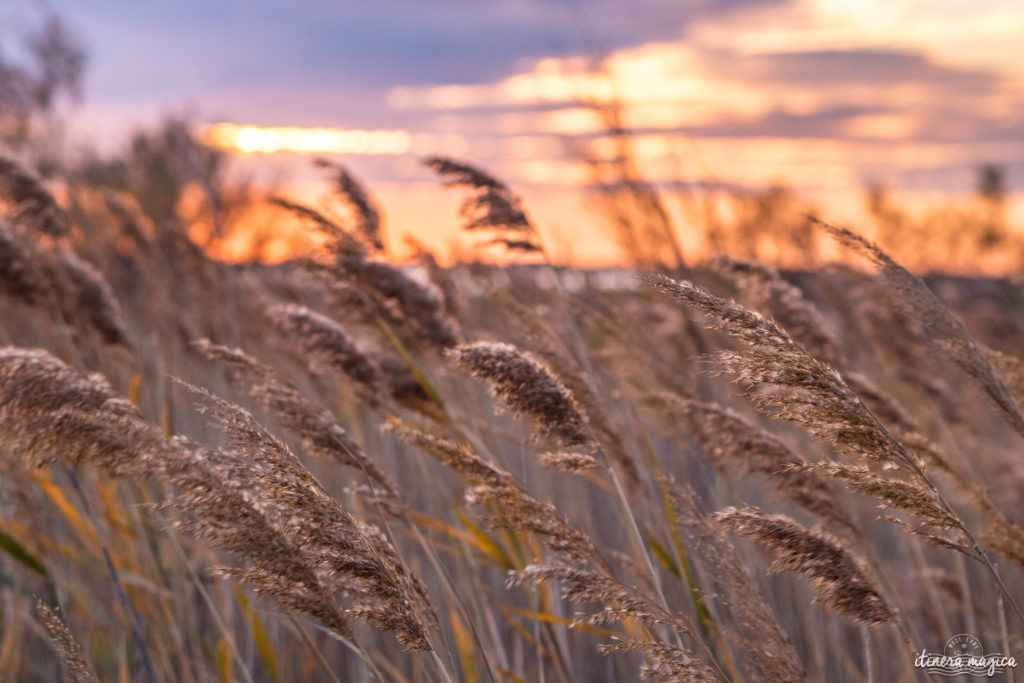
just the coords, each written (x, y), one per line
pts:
(341, 469)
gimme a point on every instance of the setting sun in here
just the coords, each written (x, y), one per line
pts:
(250, 139)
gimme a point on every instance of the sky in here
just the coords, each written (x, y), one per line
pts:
(826, 96)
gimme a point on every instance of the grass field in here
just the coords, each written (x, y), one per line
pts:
(341, 469)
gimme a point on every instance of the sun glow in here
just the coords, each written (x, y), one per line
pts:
(268, 140)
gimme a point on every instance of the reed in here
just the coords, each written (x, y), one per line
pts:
(340, 486)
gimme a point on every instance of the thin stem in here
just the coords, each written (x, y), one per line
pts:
(866, 639)
(208, 599)
(122, 596)
(918, 469)
(1003, 634)
(320, 657)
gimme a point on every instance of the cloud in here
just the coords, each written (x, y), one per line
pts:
(874, 67)
(878, 85)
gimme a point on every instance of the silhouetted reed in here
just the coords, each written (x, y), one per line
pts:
(30, 203)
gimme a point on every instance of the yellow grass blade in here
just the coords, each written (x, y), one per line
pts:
(464, 642)
(485, 542)
(259, 635)
(82, 527)
(555, 619)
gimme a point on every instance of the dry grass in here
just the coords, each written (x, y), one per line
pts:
(438, 507)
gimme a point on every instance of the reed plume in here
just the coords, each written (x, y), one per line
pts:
(899, 422)
(314, 425)
(941, 327)
(349, 557)
(1001, 534)
(325, 343)
(912, 496)
(491, 205)
(663, 659)
(365, 211)
(757, 632)
(800, 388)
(840, 580)
(90, 297)
(766, 290)
(555, 353)
(20, 273)
(730, 439)
(520, 509)
(216, 500)
(574, 463)
(50, 412)
(59, 279)
(29, 202)
(339, 240)
(411, 310)
(256, 500)
(583, 574)
(73, 660)
(524, 386)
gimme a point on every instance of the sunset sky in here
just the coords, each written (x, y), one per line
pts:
(826, 96)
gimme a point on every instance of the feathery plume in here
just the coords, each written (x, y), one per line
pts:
(1001, 534)
(728, 438)
(619, 603)
(803, 390)
(91, 298)
(72, 656)
(586, 586)
(764, 287)
(332, 542)
(526, 387)
(520, 509)
(809, 393)
(759, 634)
(900, 423)
(414, 311)
(367, 215)
(339, 241)
(215, 499)
(554, 353)
(257, 500)
(767, 290)
(941, 327)
(30, 203)
(573, 463)
(895, 494)
(665, 661)
(490, 206)
(584, 576)
(20, 274)
(840, 580)
(324, 342)
(50, 412)
(314, 425)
